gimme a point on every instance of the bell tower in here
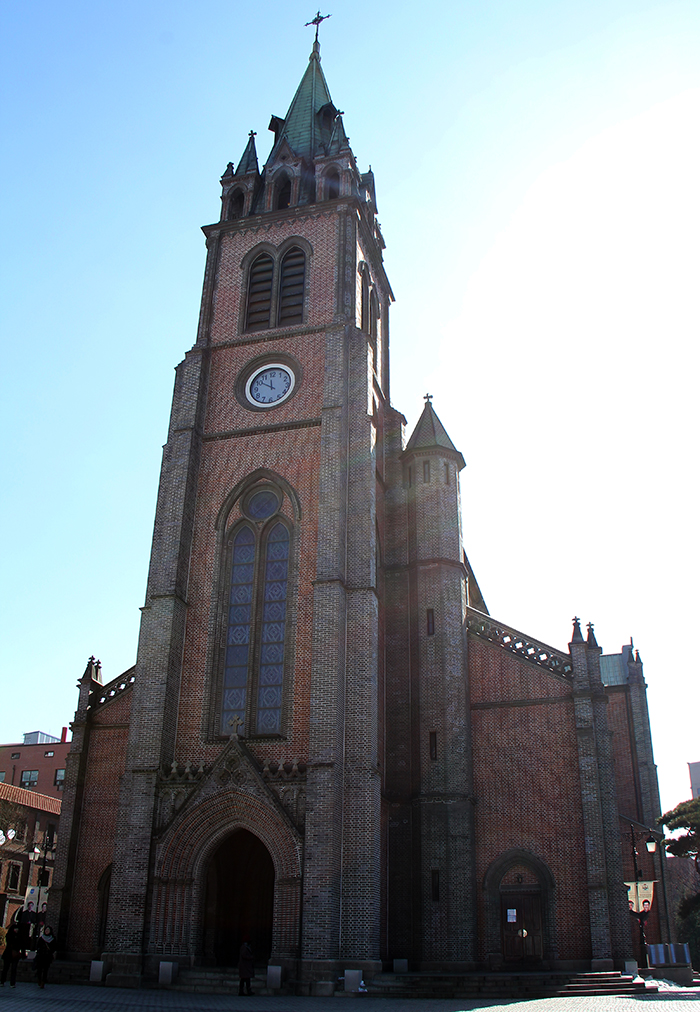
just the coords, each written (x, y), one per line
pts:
(260, 655)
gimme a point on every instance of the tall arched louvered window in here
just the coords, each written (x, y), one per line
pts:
(256, 626)
(291, 292)
(260, 293)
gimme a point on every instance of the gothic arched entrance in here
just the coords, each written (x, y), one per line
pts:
(239, 896)
(521, 924)
(519, 909)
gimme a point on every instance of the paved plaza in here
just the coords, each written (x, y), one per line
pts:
(28, 997)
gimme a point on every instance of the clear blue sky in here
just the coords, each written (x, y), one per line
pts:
(536, 168)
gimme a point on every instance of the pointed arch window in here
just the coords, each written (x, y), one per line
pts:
(291, 298)
(256, 625)
(260, 293)
(283, 193)
(332, 185)
(235, 205)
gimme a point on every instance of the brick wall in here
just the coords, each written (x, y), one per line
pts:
(527, 787)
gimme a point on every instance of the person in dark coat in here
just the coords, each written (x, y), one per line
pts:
(246, 968)
(45, 951)
(27, 920)
(12, 955)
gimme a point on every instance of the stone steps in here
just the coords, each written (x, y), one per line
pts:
(506, 985)
(433, 984)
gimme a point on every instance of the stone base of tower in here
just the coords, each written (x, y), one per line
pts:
(126, 969)
(447, 966)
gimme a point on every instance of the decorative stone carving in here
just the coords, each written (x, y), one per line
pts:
(538, 653)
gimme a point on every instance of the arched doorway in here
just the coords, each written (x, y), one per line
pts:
(239, 895)
(521, 924)
(519, 909)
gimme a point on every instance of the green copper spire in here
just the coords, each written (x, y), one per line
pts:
(310, 124)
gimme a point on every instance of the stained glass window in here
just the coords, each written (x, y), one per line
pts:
(263, 504)
(257, 615)
(272, 631)
(239, 626)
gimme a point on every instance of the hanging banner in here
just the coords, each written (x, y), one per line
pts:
(640, 896)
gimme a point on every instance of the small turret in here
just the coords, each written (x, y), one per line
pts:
(240, 188)
(431, 473)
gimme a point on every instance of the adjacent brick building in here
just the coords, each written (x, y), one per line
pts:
(37, 763)
(28, 837)
(327, 744)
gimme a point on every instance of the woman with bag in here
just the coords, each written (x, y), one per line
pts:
(45, 950)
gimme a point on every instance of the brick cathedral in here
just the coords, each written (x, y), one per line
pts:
(327, 745)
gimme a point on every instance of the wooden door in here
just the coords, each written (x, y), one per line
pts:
(521, 926)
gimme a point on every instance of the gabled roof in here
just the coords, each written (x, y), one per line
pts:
(308, 133)
(430, 434)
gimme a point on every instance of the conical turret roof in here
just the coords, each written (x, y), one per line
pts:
(430, 434)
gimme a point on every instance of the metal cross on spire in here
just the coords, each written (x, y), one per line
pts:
(317, 21)
(427, 398)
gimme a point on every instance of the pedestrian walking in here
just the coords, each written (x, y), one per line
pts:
(246, 968)
(45, 951)
(12, 955)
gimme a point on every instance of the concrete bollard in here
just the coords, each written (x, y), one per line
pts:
(352, 980)
(167, 972)
(274, 977)
(97, 971)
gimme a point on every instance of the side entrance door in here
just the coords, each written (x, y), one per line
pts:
(521, 926)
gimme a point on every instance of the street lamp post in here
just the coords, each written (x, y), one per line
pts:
(641, 915)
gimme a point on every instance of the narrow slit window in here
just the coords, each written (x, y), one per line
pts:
(447, 473)
(433, 745)
(364, 307)
(373, 316)
(291, 300)
(435, 885)
(430, 622)
(426, 471)
(259, 294)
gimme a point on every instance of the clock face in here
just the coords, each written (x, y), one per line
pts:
(270, 385)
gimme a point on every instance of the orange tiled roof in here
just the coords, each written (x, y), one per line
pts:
(30, 799)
